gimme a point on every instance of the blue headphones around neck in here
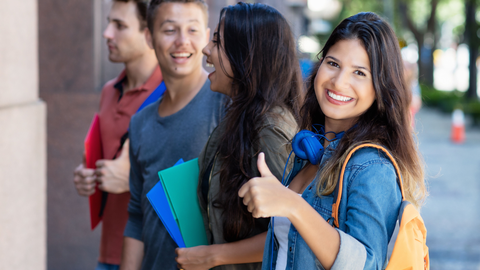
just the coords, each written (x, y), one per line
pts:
(307, 144)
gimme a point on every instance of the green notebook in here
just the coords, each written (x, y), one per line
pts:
(180, 184)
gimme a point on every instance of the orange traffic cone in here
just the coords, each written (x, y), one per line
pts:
(458, 126)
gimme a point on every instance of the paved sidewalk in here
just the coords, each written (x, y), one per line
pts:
(452, 211)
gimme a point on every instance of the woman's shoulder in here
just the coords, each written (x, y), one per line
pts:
(368, 155)
(370, 166)
(281, 120)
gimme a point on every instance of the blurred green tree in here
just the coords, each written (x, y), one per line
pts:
(472, 39)
(424, 28)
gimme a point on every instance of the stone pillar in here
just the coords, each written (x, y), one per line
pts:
(22, 141)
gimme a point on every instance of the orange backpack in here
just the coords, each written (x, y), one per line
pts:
(410, 250)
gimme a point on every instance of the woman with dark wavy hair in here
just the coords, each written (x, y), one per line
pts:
(254, 54)
(357, 88)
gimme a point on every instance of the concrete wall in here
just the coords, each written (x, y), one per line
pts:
(22, 141)
(66, 59)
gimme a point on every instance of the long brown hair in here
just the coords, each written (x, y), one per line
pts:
(261, 50)
(387, 122)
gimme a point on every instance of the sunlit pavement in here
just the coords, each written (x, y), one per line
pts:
(452, 211)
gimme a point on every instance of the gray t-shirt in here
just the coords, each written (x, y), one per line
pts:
(157, 143)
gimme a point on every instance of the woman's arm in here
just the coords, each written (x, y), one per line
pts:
(248, 250)
(372, 195)
(265, 196)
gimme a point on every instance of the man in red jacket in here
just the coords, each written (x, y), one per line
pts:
(120, 99)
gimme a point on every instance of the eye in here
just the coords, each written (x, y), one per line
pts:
(193, 30)
(169, 31)
(358, 72)
(333, 64)
(120, 26)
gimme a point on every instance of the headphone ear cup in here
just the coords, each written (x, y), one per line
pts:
(313, 149)
(297, 147)
(305, 145)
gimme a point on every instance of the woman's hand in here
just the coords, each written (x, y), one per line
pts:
(196, 258)
(265, 196)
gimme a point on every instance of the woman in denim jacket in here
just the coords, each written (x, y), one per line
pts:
(357, 87)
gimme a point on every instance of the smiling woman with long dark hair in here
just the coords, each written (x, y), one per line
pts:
(358, 94)
(254, 55)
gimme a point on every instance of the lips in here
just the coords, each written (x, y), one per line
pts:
(181, 55)
(210, 65)
(110, 46)
(337, 98)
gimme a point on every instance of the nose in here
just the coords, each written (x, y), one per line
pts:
(182, 38)
(341, 79)
(206, 50)
(108, 32)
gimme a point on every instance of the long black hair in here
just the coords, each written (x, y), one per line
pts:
(261, 50)
(387, 121)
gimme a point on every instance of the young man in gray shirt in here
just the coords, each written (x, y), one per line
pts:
(177, 126)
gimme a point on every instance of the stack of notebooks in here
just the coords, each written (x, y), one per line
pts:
(174, 198)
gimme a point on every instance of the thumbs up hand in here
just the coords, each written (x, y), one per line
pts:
(265, 196)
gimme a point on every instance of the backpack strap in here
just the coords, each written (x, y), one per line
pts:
(339, 187)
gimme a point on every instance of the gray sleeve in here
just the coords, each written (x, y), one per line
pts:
(134, 225)
(352, 254)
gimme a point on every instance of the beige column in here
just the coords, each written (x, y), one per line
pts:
(22, 141)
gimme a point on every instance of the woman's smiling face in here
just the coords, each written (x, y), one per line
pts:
(221, 77)
(344, 85)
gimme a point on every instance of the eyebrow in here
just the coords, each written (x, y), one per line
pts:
(114, 20)
(172, 21)
(358, 67)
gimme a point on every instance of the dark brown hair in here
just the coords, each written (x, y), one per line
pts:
(141, 11)
(154, 4)
(261, 50)
(387, 122)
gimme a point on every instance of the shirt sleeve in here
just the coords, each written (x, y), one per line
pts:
(373, 201)
(134, 225)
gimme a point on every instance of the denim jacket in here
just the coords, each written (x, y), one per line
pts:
(367, 214)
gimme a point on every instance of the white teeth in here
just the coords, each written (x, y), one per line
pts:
(337, 97)
(181, 54)
(209, 65)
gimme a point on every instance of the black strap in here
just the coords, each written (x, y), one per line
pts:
(105, 194)
(123, 139)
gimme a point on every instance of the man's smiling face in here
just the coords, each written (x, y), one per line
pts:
(179, 35)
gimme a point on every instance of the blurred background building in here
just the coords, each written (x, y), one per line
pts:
(52, 52)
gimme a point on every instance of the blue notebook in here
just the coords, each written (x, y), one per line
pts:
(159, 201)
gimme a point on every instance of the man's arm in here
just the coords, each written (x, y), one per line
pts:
(133, 247)
(112, 175)
(132, 254)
